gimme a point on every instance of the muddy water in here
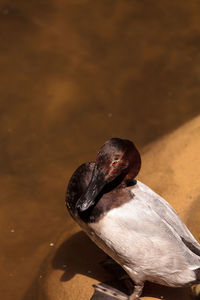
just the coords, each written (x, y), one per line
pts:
(73, 74)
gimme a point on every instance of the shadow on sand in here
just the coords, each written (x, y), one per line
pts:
(79, 255)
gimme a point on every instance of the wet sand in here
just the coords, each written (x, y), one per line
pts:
(73, 74)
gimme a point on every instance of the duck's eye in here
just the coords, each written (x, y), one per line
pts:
(114, 163)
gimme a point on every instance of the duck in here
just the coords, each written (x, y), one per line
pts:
(130, 222)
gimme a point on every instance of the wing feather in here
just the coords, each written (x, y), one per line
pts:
(169, 215)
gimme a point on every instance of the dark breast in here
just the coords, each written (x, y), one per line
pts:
(113, 199)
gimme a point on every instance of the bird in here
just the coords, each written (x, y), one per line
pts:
(130, 222)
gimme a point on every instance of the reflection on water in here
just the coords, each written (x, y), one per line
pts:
(75, 73)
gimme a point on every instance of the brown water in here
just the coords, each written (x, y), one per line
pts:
(73, 74)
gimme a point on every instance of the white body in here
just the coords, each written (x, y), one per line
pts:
(144, 236)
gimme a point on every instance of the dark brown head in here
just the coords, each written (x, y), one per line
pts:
(117, 159)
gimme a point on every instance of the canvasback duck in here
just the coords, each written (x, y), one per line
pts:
(130, 222)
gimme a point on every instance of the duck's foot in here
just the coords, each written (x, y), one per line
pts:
(106, 292)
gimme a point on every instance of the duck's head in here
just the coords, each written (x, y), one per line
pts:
(118, 162)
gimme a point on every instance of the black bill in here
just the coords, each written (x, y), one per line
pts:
(95, 186)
